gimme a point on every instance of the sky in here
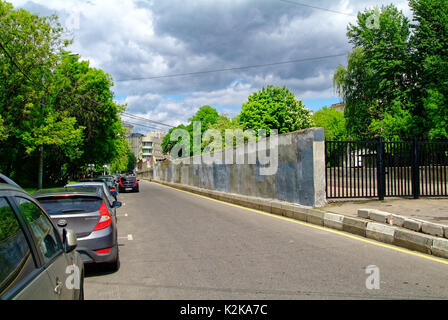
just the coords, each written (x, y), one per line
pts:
(135, 39)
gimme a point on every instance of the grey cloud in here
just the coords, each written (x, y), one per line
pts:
(200, 35)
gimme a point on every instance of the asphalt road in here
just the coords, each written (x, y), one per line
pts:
(176, 245)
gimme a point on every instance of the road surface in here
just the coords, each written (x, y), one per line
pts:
(176, 245)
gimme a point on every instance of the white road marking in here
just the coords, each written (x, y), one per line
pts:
(129, 237)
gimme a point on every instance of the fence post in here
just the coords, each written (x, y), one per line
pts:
(415, 170)
(381, 171)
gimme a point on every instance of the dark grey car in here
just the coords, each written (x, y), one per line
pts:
(36, 263)
(101, 185)
(88, 212)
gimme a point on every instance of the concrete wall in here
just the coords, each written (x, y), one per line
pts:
(299, 178)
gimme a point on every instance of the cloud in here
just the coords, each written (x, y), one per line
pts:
(137, 38)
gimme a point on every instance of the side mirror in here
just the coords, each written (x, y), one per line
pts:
(117, 204)
(70, 240)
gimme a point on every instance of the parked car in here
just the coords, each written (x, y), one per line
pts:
(88, 213)
(111, 196)
(111, 185)
(5, 179)
(110, 180)
(128, 183)
(34, 256)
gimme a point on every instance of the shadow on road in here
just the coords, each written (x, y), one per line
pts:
(97, 270)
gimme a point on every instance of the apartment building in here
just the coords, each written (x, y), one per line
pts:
(152, 147)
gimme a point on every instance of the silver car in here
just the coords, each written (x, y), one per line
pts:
(87, 212)
(36, 263)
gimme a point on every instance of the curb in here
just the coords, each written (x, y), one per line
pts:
(376, 230)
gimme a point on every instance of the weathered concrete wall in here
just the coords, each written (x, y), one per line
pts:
(299, 178)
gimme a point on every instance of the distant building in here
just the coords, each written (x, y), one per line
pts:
(152, 147)
(135, 142)
(339, 106)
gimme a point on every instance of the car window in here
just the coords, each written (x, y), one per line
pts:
(15, 253)
(70, 205)
(47, 238)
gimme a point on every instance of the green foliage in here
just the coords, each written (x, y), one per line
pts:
(396, 80)
(49, 99)
(121, 159)
(429, 66)
(437, 115)
(333, 122)
(132, 162)
(206, 115)
(85, 93)
(376, 73)
(270, 108)
(274, 108)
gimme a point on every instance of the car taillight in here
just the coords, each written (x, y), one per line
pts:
(104, 251)
(136, 182)
(105, 219)
(121, 183)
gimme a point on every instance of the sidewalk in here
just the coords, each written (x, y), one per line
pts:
(431, 210)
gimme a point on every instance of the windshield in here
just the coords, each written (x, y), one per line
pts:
(70, 205)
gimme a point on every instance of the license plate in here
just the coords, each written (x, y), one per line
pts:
(128, 189)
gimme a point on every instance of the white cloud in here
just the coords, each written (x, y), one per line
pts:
(134, 39)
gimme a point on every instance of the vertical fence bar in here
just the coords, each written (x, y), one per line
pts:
(415, 170)
(349, 173)
(380, 169)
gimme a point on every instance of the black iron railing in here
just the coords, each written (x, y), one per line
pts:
(378, 168)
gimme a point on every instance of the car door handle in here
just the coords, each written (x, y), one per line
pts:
(58, 288)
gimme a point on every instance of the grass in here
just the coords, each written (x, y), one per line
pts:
(30, 190)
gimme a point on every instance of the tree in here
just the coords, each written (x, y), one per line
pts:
(430, 66)
(120, 161)
(225, 123)
(132, 162)
(274, 108)
(374, 84)
(29, 48)
(206, 115)
(333, 122)
(52, 102)
(85, 94)
(395, 84)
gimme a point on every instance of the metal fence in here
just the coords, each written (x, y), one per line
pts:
(378, 168)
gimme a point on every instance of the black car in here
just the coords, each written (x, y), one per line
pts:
(128, 184)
